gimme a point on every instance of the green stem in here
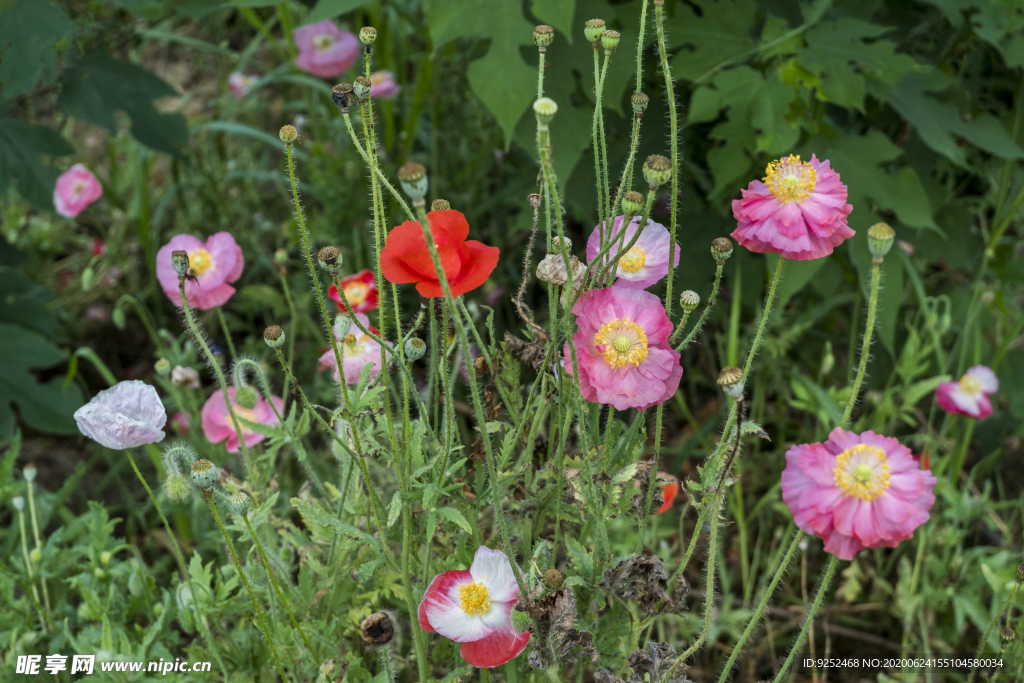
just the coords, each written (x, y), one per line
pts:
(764, 318)
(35, 532)
(960, 456)
(865, 349)
(704, 315)
(988, 632)
(809, 621)
(31, 570)
(227, 334)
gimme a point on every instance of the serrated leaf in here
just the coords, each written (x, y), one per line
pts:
(581, 559)
(315, 514)
(395, 508)
(366, 569)
(458, 675)
(431, 492)
(260, 428)
(456, 517)
(749, 427)
(625, 474)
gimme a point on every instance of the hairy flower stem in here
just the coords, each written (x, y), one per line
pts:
(604, 144)
(238, 567)
(610, 266)
(865, 348)
(704, 315)
(596, 141)
(227, 334)
(809, 619)
(960, 456)
(197, 334)
(759, 610)
(31, 570)
(293, 327)
(30, 486)
(277, 588)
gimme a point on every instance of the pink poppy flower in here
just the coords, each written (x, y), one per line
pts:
(970, 395)
(241, 83)
(799, 210)
(622, 348)
(126, 415)
(474, 607)
(357, 350)
(180, 422)
(856, 491)
(646, 262)
(76, 189)
(217, 423)
(324, 49)
(383, 86)
(214, 263)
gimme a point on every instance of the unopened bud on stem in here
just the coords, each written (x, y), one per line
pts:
(204, 474)
(179, 260)
(610, 41)
(415, 348)
(545, 108)
(880, 237)
(239, 503)
(246, 397)
(689, 300)
(413, 178)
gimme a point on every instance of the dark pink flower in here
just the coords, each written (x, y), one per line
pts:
(324, 49)
(214, 263)
(76, 189)
(969, 396)
(383, 86)
(218, 426)
(799, 210)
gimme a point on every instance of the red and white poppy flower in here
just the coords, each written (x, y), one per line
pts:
(474, 607)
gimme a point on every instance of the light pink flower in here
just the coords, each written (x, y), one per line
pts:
(324, 49)
(127, 415)
(185, 377)
(357, 350)
(76, 189)
(970, 395)
(622, 348)
(217, 423)
(856, 491)
(180, 422)
(799, 210)
(474, 607)
(646, 262)
(214, 263)
(241, 83)
(383, 86)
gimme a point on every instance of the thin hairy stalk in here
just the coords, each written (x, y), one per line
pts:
(960, 456)
(31, 570)
(988, 632)
(704, 314)
(227, 334)
(241, 574)
(809, 620)
(273, 582)
(598, 176)
(540, 73)
(30, 486)
(604, 143)
(865, 348)
(293, 328)
(537, 329)
(197, 334)
(608, 268)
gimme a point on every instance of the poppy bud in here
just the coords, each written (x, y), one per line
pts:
(610, 41)
(415, 348)
(657, 170)
(543, 36)
(105, 557)
(256, 574)
(37, 555)
(177, 487)
(239, 503)
(281, 256)
(162, 367)
(30, 472)
(545, 109)
(367, 35)
(204, 474)
(440, 205)
(361, 87)
(342, 324)
(413, 178)
(689, 300)
(377, 629)
(274, 336)
(721, 248)
(632, 203)
(880, 237)
(731, 381)
(330, 259)
(592, 29)
(639, 101)
(246, 397)
(288, 134)
(520, 620)
(342, 95)
(552, 579)
(179, 261)
(18, 502)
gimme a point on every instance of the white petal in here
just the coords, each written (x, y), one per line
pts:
(448, 619)
(492, 568)
(988, 380)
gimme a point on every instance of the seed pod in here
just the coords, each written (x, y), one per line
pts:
(413, 178)
(162, 367)
(246, 397)
(657, 170)
(239, 503)
(610, 41)
(552, 269)
(30, 472)
(534, 200)
(330, 259)
(880, 237)
(731, 381)
(556, 243)
(105, 557)
(415, 348)
(721, 249)
(377, 629)
(179, 261)
(342, 95)
(592, 29)
(204, 474)
(632, 203)
(440, 205)
(552, 579)
(367, 35)
(18, 502)
(639, 101)
(1007, 636)
(689, 300)
(545, 109)
(361, 87)
(543, 36)
(274, 336)
(288, 134)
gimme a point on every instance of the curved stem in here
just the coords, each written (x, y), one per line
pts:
(865, 348)
(227, 334)
(243, 363)
(809, 621)
(704, 315)
(754, 345)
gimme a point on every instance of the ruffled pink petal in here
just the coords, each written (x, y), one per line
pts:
(840, 440)
(842, 546)
(226, 257)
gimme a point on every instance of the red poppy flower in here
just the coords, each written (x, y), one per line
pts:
(467, 264)
(359, 290)
(669, 491)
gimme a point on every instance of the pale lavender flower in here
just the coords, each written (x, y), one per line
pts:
(127, 415)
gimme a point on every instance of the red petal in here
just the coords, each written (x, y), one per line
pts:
(438, 590)
(478, 262)
(668, 492)
(496, 649)
(448, 226)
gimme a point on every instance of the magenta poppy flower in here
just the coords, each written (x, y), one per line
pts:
(241, 84)
(126, 415)
(970, 395)
(799, 210)
(383, 86)
(76, 189)
(474, 607)
(218, 426)
(324, 49)
(622, 348)
(646, 262)
(214, 263)
(357, 350)
(856, 491)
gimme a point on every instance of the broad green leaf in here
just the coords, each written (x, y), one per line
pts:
(557, 13)
(315, 514)
(720, 32)
(29, 30)
(43, 406)
(21, 147)
(395, 508)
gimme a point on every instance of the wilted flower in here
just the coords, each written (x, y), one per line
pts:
(357, 351)
(127, 415)
(324, 49)
(218, 426)
(360, 291)
(76, 189)
(185, 377)
(646, 262)
(214, 263)
(383, 86)
(969, 396)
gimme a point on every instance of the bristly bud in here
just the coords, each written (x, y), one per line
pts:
(520, 620)
(281, 257)
(239, 503)
(534, 200)
(177, 487)
(162, 367)
(413, 178)
(179, 261)
(657, 171)
(545, 109)
(632, 203)
(731, 381)
(29, 472)
(1020, 573)
(204, 474)
(342, 95)
(377, 629)
(552, 579)
(330, 259)
(1007, 636)
(288, 134)
(689, 300)
(246, 397)
(415, 348)
(543, 36)
(361, 87)
(367, 35)
(342, 324)
(639, 101)
(610, 41)
(256, 574)
(592, 29)
(274, 336)
(721, 249)
(440, 205)
(880, 237)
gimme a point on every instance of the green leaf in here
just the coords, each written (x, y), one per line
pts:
(315, 514)
(797, 275)
(43, 406)
(98, 86)
(21, 147)
(29, 30)
(581, 559)
(395, 508)
(557, 13)
(816, 400)
(454, 516)
(328, 9)
(720, 32)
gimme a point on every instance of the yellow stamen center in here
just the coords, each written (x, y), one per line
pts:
(622, 343)
(199, 261)
(862, 472)
(356, 292)
(474, 599)
(242, 414)
(323, 42)
(790, 179)
(378, 78)
(634, 259)
(970, 385)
